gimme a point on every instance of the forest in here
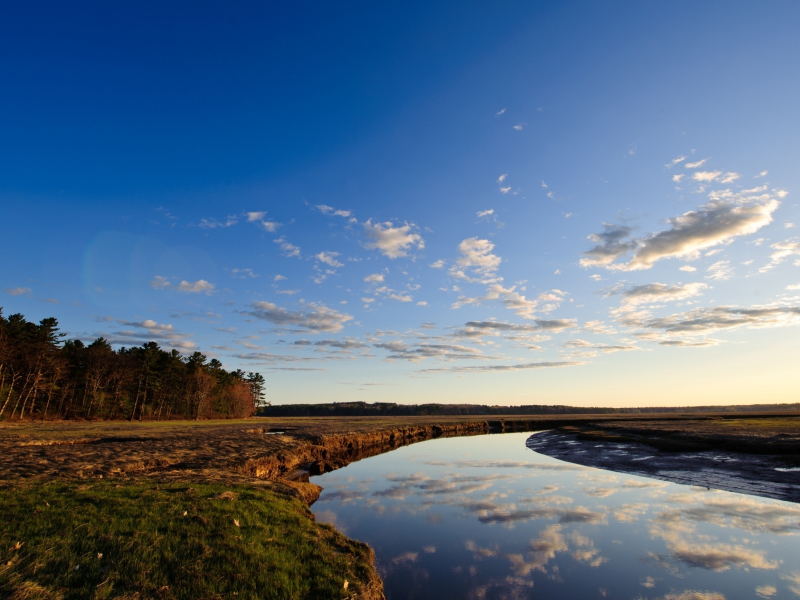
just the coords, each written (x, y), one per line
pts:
(390, 409)
(45, 376)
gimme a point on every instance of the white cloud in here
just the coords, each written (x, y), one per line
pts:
(401, 297)
(762, 174)
(271, 226)
(675, 161)
(766, 591)
(195, 287)
(374, 278)
(391, 241)
(500, 112)
(726, 216)
(18, 291)
(720, 271)
(329, 210)
(505, 190)
(519, 126)
(315, 317)
(422, 303)
(192, 287)
(476, 256)
(694, 165)
(368, 300)
(287, 249)
(502, 178)
(788, 225)
(329, 258)
(485, 213)
(279, 278)
(706, 175)
(687, 269)
(795, 286)
(256, 216)
(544, 185)
(677, 178)
(437, 264)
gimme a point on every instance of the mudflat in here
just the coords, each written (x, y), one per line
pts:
(758, 456)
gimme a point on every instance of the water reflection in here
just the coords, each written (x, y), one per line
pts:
(485, 517)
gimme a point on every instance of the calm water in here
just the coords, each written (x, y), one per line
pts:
(485, 517)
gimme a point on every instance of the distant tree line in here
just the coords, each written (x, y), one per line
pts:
(388, 409)
(44, 376)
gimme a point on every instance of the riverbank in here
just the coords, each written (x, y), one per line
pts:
(269, 458)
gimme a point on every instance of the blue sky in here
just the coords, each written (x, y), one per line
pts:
(504, 203)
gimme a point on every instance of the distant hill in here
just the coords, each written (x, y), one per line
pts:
(388, 409)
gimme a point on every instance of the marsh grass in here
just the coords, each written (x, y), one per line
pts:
(145, 540)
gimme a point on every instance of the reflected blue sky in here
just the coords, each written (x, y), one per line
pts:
(485, 517)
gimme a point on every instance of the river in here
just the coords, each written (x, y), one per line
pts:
(487, 517)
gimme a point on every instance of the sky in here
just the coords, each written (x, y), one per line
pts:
(509, 203)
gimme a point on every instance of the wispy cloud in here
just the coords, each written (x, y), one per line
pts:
(192, 287)
(287, 249)
(720, 271)
(329, 210)
(213, 223)
(18, 291)
(695, 165)
(505, 368)
(675, 161)
(657, 292)
(782, 251)
(313, 317)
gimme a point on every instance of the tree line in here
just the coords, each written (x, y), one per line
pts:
(42, 375)
(389, 409)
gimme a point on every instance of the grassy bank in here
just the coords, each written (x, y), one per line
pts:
(150, 540)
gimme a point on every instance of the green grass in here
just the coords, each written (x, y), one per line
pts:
(103, 540)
